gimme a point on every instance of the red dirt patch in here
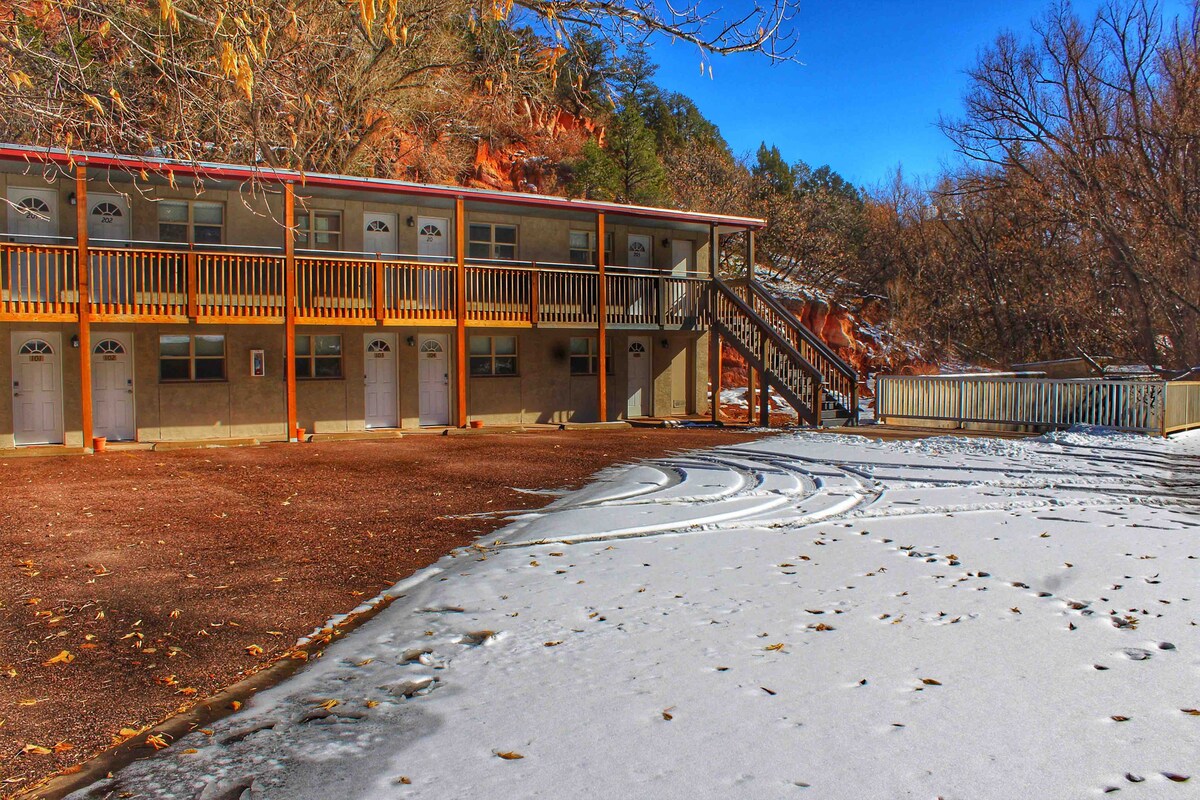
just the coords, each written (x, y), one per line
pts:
(160, 574)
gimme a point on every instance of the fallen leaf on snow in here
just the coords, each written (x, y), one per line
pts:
(509, 755)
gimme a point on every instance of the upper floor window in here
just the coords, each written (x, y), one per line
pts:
(319, 230)
(487, 241)
(583, 247)
(191, 222)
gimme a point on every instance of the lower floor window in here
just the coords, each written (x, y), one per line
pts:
(319, 356)
(585, 358)
(493, 355)
(184, 357)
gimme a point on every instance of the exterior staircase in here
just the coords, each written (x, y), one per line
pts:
(792, 360)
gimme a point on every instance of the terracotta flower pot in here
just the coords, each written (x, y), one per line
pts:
(99, 444)
(476, 423)
(299, 434)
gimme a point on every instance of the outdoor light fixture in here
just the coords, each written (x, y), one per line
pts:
(410, 222)
(75, 341)
(666, 343)
(666, 242)
(412, 340)
(72, 199)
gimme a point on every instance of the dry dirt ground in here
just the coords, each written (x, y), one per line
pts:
(136, 583)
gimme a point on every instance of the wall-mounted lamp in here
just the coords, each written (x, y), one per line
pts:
(410, 222)
(666, 242)
(411, 341)
(72, 199)
(666, 343)
(75, 341)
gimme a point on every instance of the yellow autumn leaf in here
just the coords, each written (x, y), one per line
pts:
(96, 105)
(328, 704)
(36, 750)
(63, 747)
(254, 650)
(157, 741)
(64, 657)
(127, 732)
(116, 98)
(509, 755)
(774, 647)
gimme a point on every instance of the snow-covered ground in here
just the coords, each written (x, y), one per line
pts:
(802, 616)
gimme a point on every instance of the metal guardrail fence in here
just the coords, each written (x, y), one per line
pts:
(1159, 407)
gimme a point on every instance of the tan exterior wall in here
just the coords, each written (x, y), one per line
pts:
(243, 406)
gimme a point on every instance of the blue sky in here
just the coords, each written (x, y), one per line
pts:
(874, 78)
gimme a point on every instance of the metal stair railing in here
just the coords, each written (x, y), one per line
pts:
(769, 352)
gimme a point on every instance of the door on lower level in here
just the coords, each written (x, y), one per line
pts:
(433, 375)
(112, 386)
(640, 378)
(380, 379)
(37, 388)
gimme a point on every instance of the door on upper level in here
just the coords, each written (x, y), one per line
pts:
(112, 386)
(380, 233)
(433, 238)
(380, 377)
(683, 260)
(33, 219)
(37, 388)
(110, 275)
(640, 252)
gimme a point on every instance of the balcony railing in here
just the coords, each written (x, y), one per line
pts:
(155, 282)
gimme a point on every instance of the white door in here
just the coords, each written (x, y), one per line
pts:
(640, 253)
(682, 262)
(33, 219)
(640, 402)
(433, 374)
(380, 378)
(37, 388)
(112, 386)
(433, 238)
(109, 228)
(379, 233)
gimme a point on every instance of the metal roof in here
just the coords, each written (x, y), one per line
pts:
(164, 166)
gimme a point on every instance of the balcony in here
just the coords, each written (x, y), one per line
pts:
(163, 283)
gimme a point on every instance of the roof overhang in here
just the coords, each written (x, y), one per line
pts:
(172, 169)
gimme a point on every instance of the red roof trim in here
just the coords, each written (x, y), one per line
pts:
(13, 152)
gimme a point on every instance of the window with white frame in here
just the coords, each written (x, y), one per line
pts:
(185, 357)
(319, 230)
(493, 355)
(491, 242)
(318, 356)
(191, 221)
(585, 357)
(583, 247)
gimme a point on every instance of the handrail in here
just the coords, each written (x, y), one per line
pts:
(809, 336)
(775, 337)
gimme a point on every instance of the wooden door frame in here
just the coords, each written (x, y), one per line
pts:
(18, 338)
(444, 338)
(392, 339)
(100, 336)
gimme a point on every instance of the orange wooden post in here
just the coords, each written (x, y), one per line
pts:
(714, 338)
(193, 280)
(601, 322)
(534, 280)
(460, 309)
(750, 383)
(289, 305)
(84, 301)
(380, 300)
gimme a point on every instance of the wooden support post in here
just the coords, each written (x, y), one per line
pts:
(750, 255)
(193, 279)
(764, 391)
(534, 281)
(714, 372)
(460, 311)
(82, 275)
(380, 300)
(818, 400)
(750, 393)
(289, 306)
(714, 338)
(601, 323)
